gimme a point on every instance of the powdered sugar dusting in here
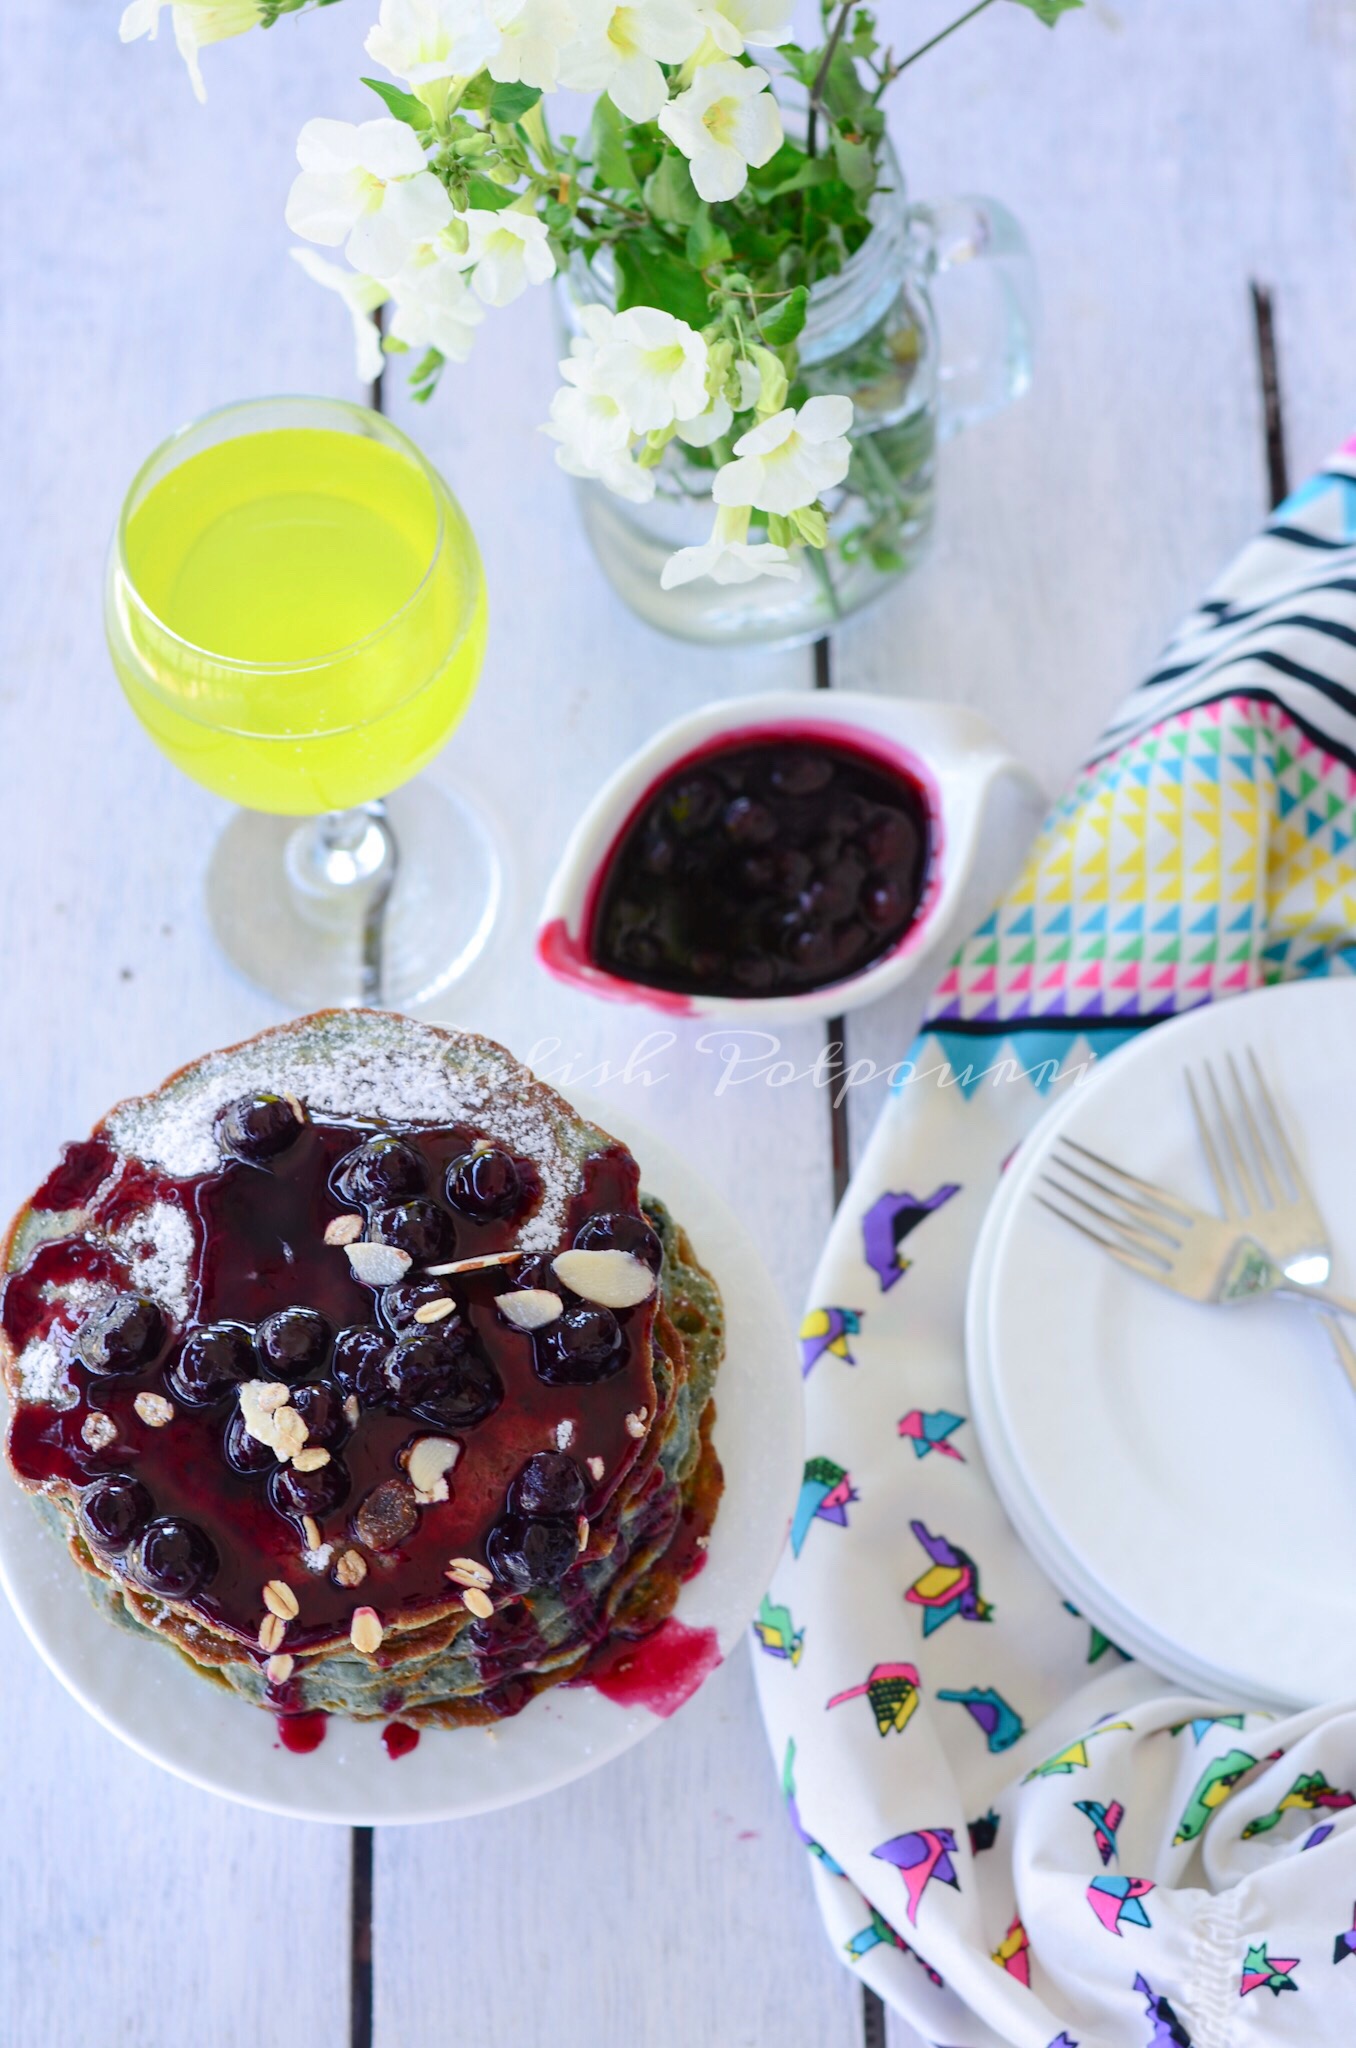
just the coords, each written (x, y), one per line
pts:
(366, 1065)
(158, 1246)
(42, 1374)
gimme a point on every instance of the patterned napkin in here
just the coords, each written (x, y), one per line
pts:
(1020, 1837)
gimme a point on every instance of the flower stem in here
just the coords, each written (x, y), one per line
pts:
(822, 75)
(932, 42)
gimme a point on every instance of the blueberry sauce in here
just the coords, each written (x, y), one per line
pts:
(659, 1671)
(299, 1734)
(399, 1739)
(764, 868)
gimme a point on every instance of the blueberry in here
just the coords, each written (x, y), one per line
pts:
(882, 902)
(749, 823)
(257, 1128)
(315, 1493)
(398, 1304)
(614, 1231)
(583, 1344)
(292, 1343)
(810, 950)
(419, 1366)
(320, 1408)
(420, 1228)
(753, 971)
(891, 838)
(113, 1510)
(244, 1453)
(800, 773)
(213, 1360)
(550, 1483)
(525, 1554)
(658, 855)
(175, 1558)
(794, 870)
(122, 1337)
(640, 949)
(693, 803)
(359, 1356)
(705, 963)
(382, 1169)
(470, 1389)
(533, 1272)
(485, 1184)
(759, 873)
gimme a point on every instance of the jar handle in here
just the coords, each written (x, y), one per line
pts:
(977, 263)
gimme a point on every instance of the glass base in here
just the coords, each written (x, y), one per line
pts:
(387, 905)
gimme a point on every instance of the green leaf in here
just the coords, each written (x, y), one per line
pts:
(670, 193)
(403, 105)
(509, 103)
(651, 274)
(706, 243)
(784, 322)
(483, 192)
(856, 162)
(607, 133)
(1049, 11)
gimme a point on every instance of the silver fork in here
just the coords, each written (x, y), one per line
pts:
(1260, 1185)
(1157, 1234)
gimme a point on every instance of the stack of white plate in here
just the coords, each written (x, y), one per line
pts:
(1185, 1474)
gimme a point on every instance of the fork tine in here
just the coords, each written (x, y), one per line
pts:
(1261, 1156)
(1158, 1196)
(1223, 1192)
(1129, 1231)
(1148, 1219)
(1278, 1130)
(1126, 1258)
(1246, 1184)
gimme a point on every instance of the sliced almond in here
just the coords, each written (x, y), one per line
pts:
(635, 1426)
(272, 1629)
(582, 1531)
(595, 1469)
(612, 1279)
(477, 1602)
(480, 1265)
(530, 1308)
(465, 1571)
(267, 1417)
(270, 1394)
(343, 1229)
(310, 1459)
(378, 1265)
(99, 1430)
(154, 1410)
(365, 1631)
(295, 1104)
(428, 1461)
(564, 1435)
(279, 1668)
(279, 1599)
(310, 1530)
(350, 1568)
(434, 1311)
(352, 1409)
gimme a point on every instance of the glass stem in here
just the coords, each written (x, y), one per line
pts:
(341, 868)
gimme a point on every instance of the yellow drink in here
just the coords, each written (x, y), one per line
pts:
(297, 615)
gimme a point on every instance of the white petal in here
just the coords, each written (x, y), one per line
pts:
(328, 146)
(389, 149)
(718, 171)
(323, 205)
(708, 426)
(824, 418)
(140, 18)
(688, 564)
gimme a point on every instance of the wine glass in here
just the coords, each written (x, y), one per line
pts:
(295, 607)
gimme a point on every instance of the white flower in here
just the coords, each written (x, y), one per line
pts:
(434, 307)
(510, 251)
(362, 295)
(621, 473)
(532, 34)
(365, 186)
(196, 22)
(421, 40)
(737, 25)
(620, 48)
(728, 556)
(785, 462)
(708, 426)
(654, 366)
(724, 122)
(590, 427)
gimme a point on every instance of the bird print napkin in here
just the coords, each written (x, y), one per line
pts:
(1017, 1835)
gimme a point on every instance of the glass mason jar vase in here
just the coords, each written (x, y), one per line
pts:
(871, 332)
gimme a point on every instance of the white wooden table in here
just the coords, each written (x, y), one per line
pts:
(1161, 156)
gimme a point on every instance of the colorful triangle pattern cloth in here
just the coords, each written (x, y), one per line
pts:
(1018, 1837)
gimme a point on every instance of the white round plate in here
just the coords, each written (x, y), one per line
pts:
(1184, 1473)
(156, 1705)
